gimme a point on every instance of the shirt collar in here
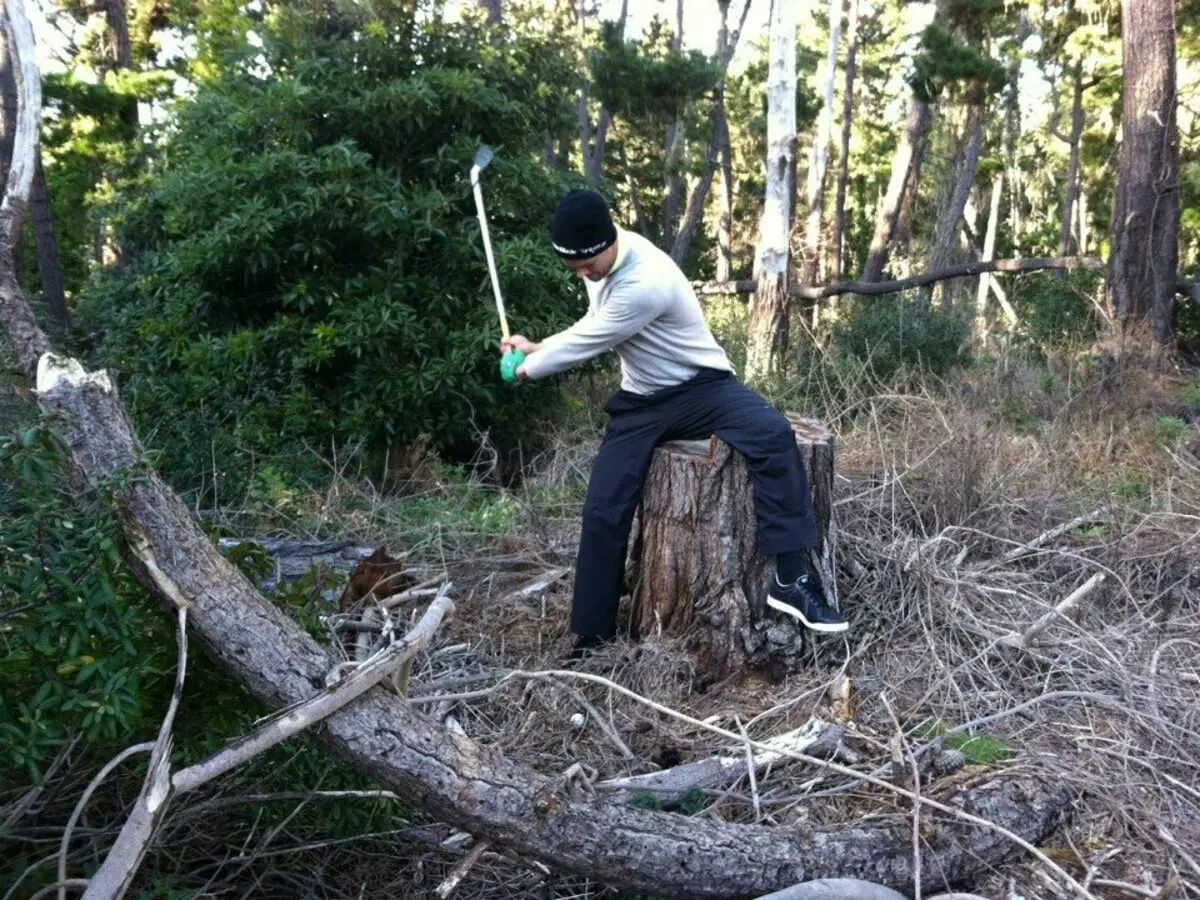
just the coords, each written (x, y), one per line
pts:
(623, 243)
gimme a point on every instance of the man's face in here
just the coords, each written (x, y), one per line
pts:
(595, 267)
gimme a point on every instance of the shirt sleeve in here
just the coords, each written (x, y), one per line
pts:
(626, 312)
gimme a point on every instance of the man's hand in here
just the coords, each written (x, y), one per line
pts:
(519, 342)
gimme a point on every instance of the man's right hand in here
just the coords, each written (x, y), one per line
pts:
(519, 342)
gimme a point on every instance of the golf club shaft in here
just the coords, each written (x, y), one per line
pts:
(487, 249)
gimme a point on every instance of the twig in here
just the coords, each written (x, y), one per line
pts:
(447, 887)
(60, 886)
(916, 785)
(751, 774)
(301, 716)
(1128, 888)
(17, 810)
(1175, 845)
(421, 589)
(282, 796)
(1047, 536)
(816, 736)
(811, 760)
(1065, 606)
(600, 720)
(113, 877)
(1153, 686)
(83, 801)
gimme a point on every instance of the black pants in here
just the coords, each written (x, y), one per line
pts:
(713, 402)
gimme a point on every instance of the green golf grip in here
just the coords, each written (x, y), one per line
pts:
(509, 363)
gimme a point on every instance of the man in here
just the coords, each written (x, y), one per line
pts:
(676, 384)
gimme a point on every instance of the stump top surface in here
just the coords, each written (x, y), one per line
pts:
(809, 431)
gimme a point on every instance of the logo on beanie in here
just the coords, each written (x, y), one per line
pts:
(582, 252)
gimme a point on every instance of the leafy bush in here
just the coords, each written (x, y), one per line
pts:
(306, 268)
(79, 641)
(891, 333)
(1056, 309)
(85, 655)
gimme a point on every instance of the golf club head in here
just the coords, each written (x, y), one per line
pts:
(483, 158)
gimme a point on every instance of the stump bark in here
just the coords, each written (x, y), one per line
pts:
(696, 570)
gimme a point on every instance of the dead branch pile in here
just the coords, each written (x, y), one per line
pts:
(999, 607)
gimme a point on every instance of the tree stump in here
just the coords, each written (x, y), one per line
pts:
(696, 570)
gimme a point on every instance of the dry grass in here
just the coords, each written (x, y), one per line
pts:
(940, 490)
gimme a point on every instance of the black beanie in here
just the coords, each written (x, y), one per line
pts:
(581, 226)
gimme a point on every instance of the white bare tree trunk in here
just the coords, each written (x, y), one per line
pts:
(819, 163)
(768, 328)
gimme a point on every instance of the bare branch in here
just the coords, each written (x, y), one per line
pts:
(291, 722)
(874, 288)
(120, 866)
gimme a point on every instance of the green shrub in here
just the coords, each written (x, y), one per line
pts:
(306, 270)
(891, 333)
(79, 641)
(1055, 309)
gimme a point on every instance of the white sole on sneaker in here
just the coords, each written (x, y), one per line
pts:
(823, 627)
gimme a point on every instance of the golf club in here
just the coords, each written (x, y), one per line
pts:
(513, 358)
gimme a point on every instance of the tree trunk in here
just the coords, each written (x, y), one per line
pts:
(1145, 235)
(583, 119)
(695, 210)
(495, 14)
(725, 222)
(1066, 242)
(8, 120)
(902, 233)
(8, 103)
(593, 156)
(697, 571)
(841, 220)
(675, 187)
(819, 163)
(720, 134)
(947, 225)
(989, 249)
(41, 214)
(920, 117)
(768, 326)
(1012, 133)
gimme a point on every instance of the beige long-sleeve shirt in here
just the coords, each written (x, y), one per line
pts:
(647, 312)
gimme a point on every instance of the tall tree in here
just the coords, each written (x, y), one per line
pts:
(955, 52)
(672, 207)
(45, 239)
(495, 13)
(967, 166)
(1145, 229)
(725, 215)
(718, 141)
(916, 133)
(841, 220)
(40, 213)
(768, 315)
(819, 160)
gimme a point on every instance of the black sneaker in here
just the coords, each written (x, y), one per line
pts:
(584, 647)
(805, 600)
